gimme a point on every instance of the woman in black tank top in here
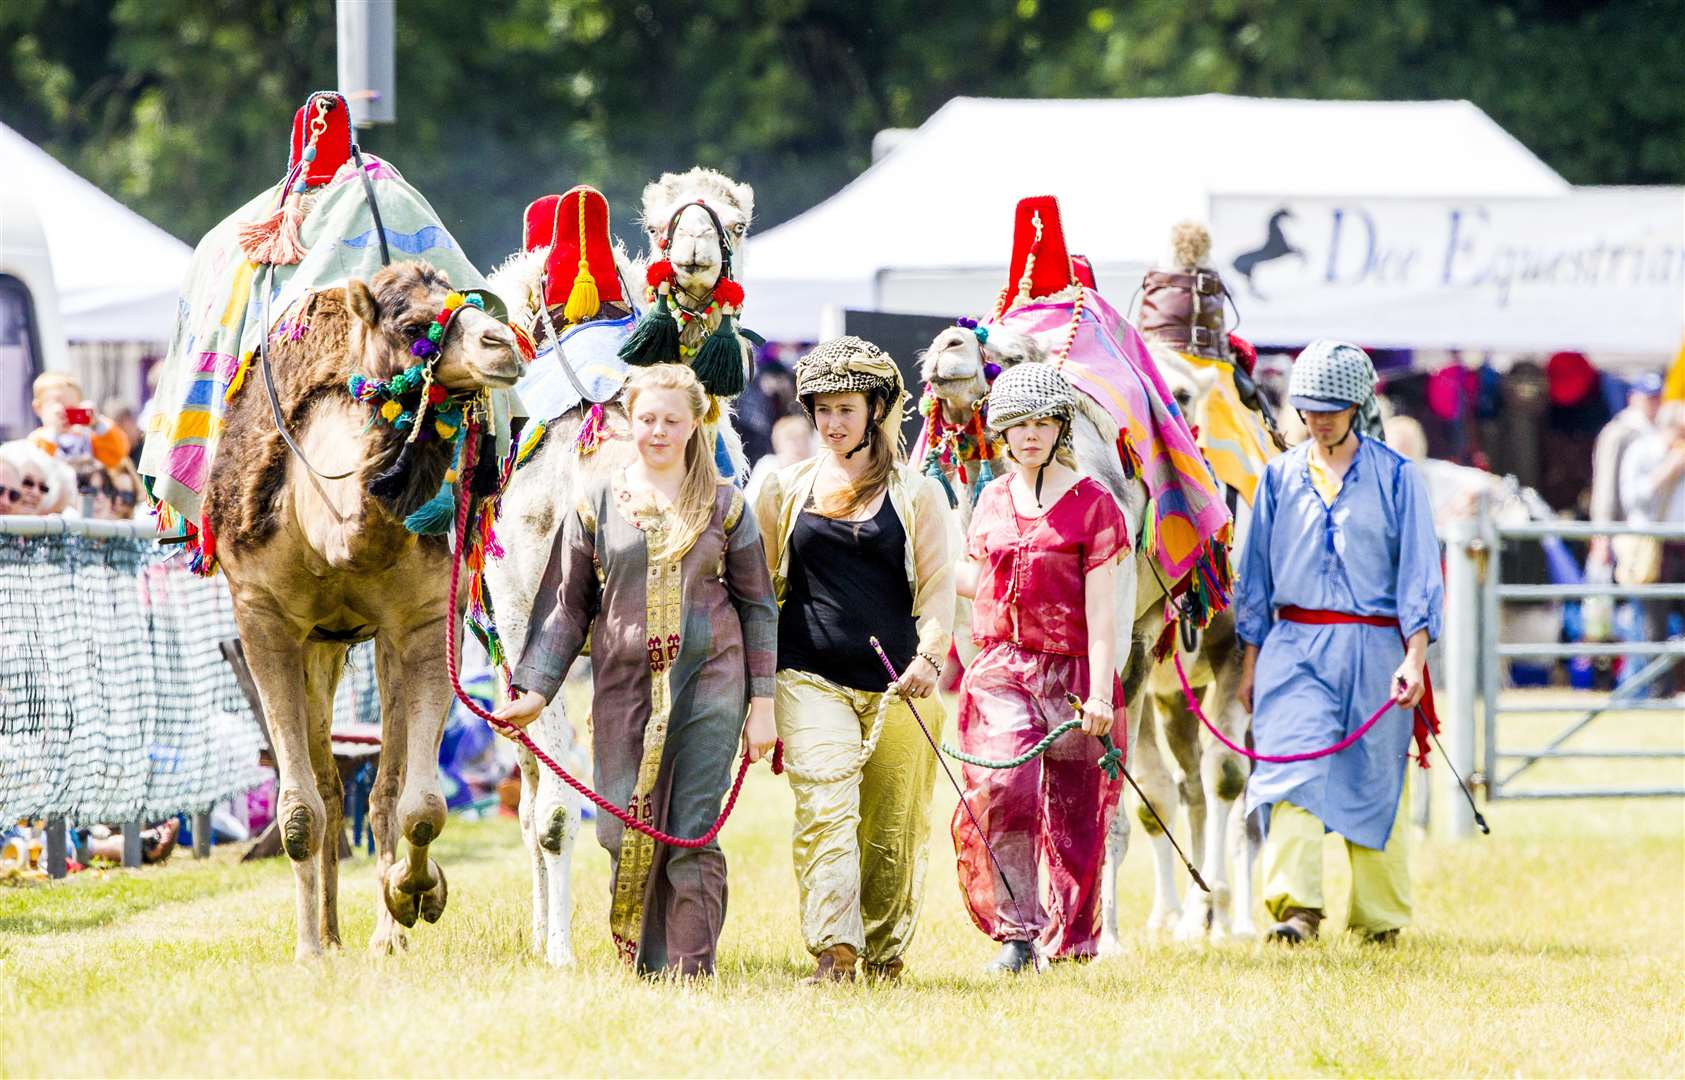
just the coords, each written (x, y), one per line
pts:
(859, 548)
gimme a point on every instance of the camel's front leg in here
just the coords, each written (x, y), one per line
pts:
(411, 661)
(388, 936)
(277, 660)
(556, 825)
(1152, 772)
(535, 856)
(322, 667)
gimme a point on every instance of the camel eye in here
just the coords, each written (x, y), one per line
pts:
(740, 228)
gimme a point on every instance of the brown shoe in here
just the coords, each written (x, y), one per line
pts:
(836, 965)
(887, 972)
(1299, 925)
(1384, 938)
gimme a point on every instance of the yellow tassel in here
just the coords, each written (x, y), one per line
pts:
(391, 411)
(453, 301)
(583, 301)
(239, 379)
(712, 416)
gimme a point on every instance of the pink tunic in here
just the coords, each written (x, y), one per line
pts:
(1031, 590)
(1047, 820)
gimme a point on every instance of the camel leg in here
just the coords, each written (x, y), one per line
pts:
(535, 856)
(408, 659)
(388, 936)
(1248, 842)
(556, 825)
(322, 667)
(1182, 733)
(1152, 772)
(276, 657)
(1117, 836)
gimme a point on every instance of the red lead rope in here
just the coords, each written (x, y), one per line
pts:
(464, 499)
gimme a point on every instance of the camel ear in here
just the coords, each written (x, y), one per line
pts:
(745, 197)
(362, 302)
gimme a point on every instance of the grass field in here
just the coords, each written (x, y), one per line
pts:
(1554, 947)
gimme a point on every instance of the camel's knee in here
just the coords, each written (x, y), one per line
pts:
(1147, 820)
(423, 818)
(1230, 780)
(559, 826)
(303, 819)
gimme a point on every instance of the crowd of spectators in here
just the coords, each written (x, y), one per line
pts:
(77, 463)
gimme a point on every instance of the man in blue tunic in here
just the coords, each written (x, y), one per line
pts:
(1340, 594)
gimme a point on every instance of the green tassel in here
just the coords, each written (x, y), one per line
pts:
(719, 362)
(434, 517)
(655, 340)
(933, 469)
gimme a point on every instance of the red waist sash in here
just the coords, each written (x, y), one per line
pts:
(1426, 716)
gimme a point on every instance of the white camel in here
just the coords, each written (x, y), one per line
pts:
(1179, 764)
(547, 485)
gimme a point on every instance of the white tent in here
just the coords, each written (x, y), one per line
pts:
(929, 227)
(116, 274)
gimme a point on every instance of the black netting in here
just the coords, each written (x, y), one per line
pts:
(115, 701)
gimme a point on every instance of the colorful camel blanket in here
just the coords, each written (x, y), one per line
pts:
(1109, 361)
(1231, 436)
(592, 349)
(219, 316)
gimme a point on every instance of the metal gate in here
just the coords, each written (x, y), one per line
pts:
(1475, 656)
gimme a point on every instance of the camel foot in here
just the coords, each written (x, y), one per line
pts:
(558, 953)
(1195, 922)
(1162, 920)
(409, 901)
(295, 834)
(1110, 945)
(388, 939)
(307, 952)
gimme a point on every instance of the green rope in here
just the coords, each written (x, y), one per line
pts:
(1110, 761)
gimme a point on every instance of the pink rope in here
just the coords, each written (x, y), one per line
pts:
(1274, 759)
(464, 499)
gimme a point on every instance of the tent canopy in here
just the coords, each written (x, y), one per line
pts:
(116, 274)
(940, 205)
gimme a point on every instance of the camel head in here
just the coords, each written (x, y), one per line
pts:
(955, 367)
(694, 244)
(393, 310)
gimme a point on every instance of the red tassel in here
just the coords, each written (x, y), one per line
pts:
(728, 292)
(778, 757)
(659, 273)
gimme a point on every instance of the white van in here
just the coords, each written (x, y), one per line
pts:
(31, 335)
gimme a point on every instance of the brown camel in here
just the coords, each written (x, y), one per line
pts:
(315, 565)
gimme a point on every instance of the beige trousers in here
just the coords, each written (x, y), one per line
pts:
(862, 841)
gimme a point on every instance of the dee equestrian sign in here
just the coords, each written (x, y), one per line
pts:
(1598, 269)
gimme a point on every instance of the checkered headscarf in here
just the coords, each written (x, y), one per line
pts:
(1029, 391)
(1339, 373)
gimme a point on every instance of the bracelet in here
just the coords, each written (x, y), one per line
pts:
(1099, 701)
(929, 659)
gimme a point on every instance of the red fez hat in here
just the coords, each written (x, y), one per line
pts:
(1038, 241)
(333, 146)
(580, 270)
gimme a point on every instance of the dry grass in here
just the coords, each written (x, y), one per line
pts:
(1554, 947)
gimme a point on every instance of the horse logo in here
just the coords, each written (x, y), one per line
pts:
(1275, 246)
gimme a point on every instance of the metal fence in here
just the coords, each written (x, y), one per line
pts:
(116, 704)
(1475, 657)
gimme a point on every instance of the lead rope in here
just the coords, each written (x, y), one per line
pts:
(464, 500)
